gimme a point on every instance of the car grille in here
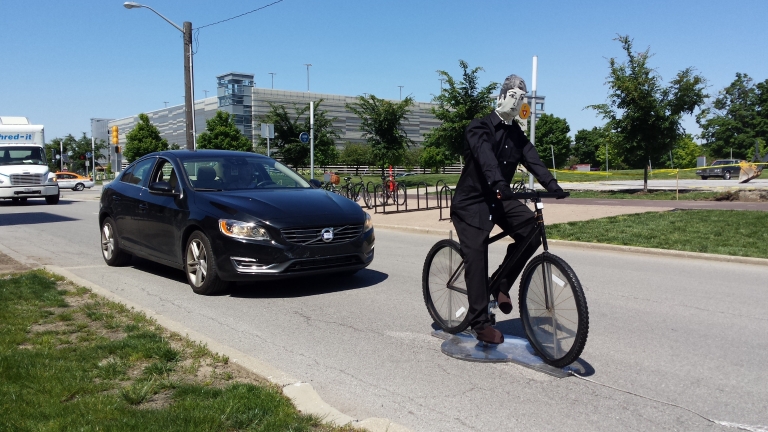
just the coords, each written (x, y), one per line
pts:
(323, 263)
(27, 179)
(307, 236)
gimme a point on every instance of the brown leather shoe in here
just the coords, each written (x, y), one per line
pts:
(490, 335)
(505, 303)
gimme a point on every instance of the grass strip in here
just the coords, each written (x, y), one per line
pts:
(657, 195)
(70, 360)
(724, 232)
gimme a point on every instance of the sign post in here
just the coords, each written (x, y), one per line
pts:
(311, 135)
(268, 132)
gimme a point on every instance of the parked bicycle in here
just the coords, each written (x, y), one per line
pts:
(390, 191)
(553, 308)
(355, 191)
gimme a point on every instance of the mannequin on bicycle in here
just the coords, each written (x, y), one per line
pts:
(494, 145)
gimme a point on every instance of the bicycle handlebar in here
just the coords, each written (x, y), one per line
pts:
(529, 195)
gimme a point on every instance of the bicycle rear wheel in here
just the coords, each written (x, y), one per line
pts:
(443, 286)
(367, 198)
(553, 310)
(400, 194)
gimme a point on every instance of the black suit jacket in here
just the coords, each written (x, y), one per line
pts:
(492, 151)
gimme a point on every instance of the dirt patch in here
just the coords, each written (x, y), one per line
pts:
(157, 401)
(10, 265)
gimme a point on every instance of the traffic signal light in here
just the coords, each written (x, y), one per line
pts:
(117, 149)
(114, 135)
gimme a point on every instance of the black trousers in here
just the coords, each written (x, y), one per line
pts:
(511, 216)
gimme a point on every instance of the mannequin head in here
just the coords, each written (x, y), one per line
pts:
(511, 98)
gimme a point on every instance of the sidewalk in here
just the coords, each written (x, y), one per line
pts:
(427, 221)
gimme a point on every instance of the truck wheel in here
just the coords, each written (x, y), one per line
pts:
(52, 199)
(727, 175)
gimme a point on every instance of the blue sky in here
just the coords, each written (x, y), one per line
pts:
(66, 62)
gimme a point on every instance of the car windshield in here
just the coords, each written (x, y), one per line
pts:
(11, 155)
(229, 173)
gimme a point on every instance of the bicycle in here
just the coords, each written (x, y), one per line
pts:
(552, 304)
(355, 191)
(388, 190)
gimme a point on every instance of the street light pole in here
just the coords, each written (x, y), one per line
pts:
(273, 80)
(401, 92)
(307, 65)
(189, 92)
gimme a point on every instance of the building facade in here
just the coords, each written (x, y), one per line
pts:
(248, 104)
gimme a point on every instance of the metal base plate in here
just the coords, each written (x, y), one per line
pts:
(464, 346)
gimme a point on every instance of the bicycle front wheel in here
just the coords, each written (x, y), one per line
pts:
(553, 310)
(443, 286)
(367, 198)
(400, 194)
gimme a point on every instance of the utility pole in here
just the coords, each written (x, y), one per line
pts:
(189, 102)
(166, 104)
(311, 139)
(307, 65)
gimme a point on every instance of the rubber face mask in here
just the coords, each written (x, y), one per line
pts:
(508, 107)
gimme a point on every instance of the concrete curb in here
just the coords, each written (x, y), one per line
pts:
(303, 395)
(605, 246)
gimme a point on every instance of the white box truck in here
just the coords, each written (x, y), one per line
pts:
(23, 167)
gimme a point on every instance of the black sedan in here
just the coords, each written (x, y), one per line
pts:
(224, 216)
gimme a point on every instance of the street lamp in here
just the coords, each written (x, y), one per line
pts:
(189, 91)
(273, 79)
(442, 80)
(401, 92)
(307, 65)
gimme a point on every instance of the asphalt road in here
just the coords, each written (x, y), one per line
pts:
(693, 333)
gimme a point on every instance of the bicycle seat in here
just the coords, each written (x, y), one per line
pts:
(347, 178)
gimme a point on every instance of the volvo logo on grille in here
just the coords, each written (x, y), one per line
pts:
(326, 234)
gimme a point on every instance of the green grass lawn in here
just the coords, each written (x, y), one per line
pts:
(70, 360)
(725, 232)
(655, 195)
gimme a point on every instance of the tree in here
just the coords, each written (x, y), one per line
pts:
(553, 131)
(288, 127)
(54, 148)
(644, 113)
(356, 155)
(587, 144)
(435, 158)
(412, 158)
(736, 119)
(685, 153)
(221, 133)
(382, 126)
(143, 139)
(457, 105)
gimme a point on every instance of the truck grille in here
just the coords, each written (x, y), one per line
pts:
(27, 179)
(313, 236)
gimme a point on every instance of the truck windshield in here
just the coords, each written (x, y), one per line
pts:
(12, 155)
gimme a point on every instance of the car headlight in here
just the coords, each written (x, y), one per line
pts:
(368, 223)
(246, 230)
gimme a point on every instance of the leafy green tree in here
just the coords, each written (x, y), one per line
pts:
(685, 153)
(143, 139)
(412, 158)
(458, 104)
(736, 119)
(54, 147)
(646, 114)
(435, 158)
(221, 133)
(356, 155)
(288, 127)
(553, 131)
(587, 143)
(80, 150)
(382, 126)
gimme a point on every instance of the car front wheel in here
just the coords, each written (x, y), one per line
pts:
(200, 266)
(704, 177)
(727, 175)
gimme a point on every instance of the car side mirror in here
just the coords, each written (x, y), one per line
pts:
(315, 183)
(161, 188)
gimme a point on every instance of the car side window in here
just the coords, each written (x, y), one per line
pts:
(139, 173)
(164, 172)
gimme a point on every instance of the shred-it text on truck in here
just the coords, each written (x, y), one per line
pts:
(23, 167)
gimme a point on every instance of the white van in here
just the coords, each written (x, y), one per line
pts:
(23, 168)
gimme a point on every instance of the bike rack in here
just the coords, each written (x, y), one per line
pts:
(464, 346)
(445, 190)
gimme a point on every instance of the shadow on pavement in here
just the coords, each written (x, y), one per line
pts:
(307, 286)
(10, 219)
(156, 269)
(30, 202)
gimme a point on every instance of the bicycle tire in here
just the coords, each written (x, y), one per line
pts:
(357, 191)
(400, 194)
(367, 198)
(380, 194)
(443, 287)
(553, 310)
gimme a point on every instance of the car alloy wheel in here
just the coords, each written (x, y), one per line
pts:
(197, 263)
(79, 187)
(107, 242)
(113, 254)
(727, 175)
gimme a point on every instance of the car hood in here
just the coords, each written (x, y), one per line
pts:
(283, 208)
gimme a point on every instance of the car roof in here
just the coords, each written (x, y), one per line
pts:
(186, 154)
